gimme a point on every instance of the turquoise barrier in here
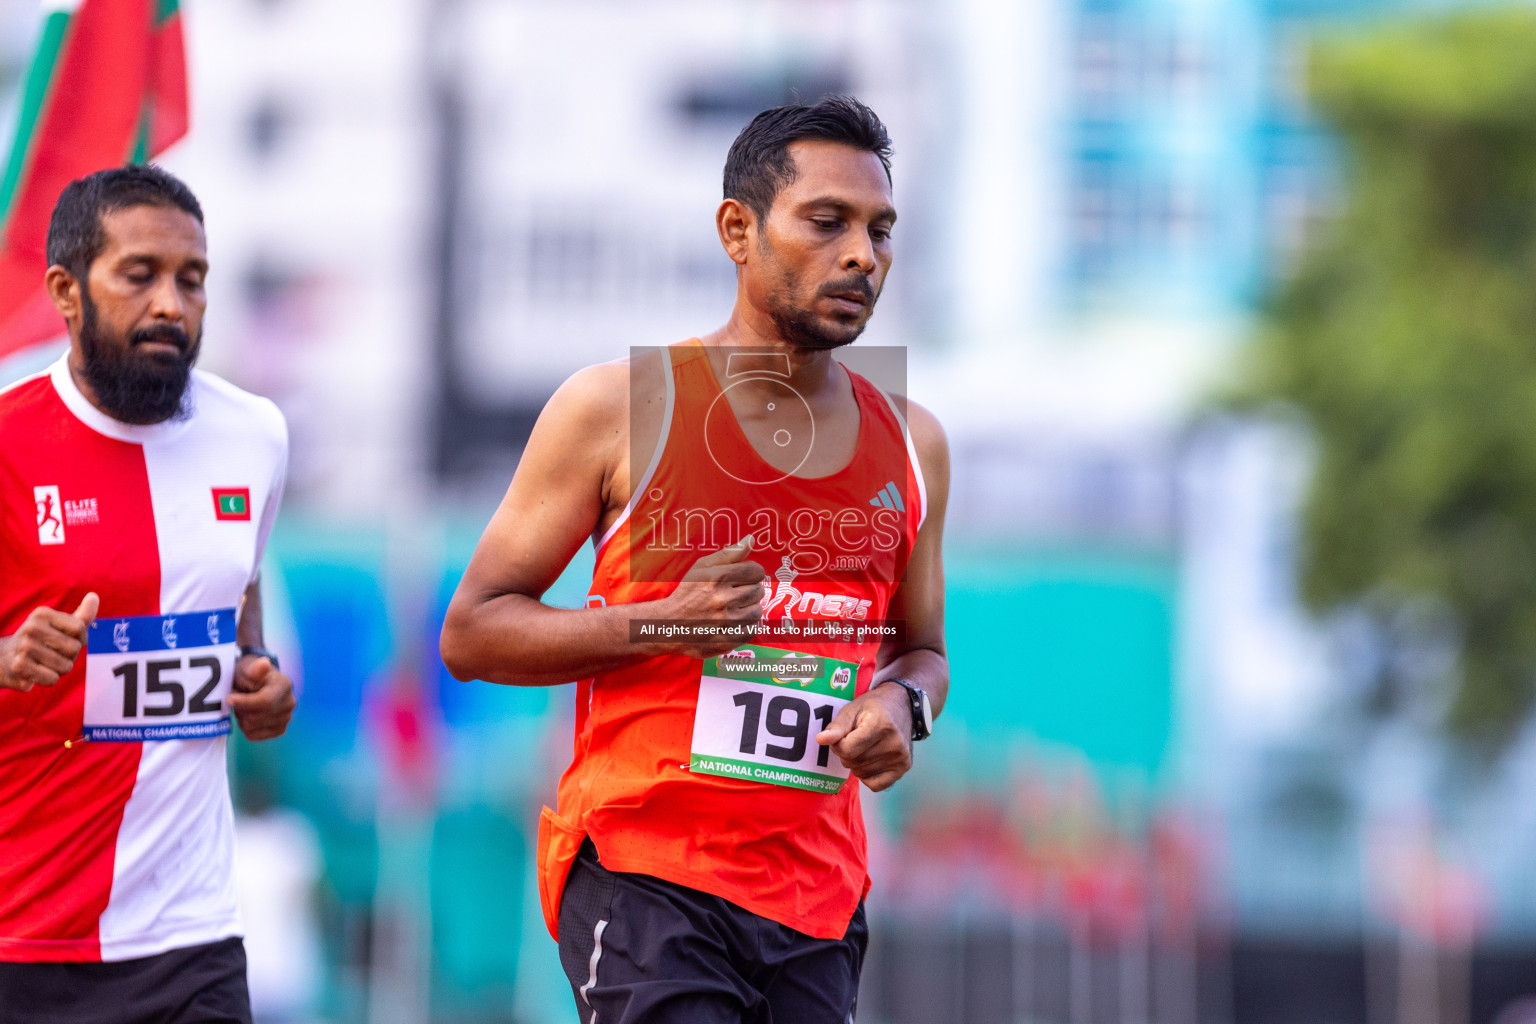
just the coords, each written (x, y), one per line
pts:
(1069, 649)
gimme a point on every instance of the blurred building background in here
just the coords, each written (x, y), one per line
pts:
(1149, 800)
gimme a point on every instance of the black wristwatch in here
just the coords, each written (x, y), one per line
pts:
(260, 652)
(922, 711)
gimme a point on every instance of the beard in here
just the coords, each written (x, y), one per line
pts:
(133, 386)
(804, 329)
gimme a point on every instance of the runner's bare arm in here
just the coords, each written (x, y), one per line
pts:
(261, 696)
(44, 649)
(573, 480)
(249, 631)
(923, 660)
(872, 736)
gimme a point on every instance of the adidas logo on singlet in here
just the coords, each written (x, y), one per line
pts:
(889, 497)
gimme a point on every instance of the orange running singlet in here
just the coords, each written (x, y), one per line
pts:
(658, 780)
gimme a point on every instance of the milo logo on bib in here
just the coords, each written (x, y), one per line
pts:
(758, 714)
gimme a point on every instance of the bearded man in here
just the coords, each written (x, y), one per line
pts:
(136, 497)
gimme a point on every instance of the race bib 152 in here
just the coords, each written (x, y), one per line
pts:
(159, 677)
(758, 714)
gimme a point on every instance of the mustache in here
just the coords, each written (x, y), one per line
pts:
(855, 283)
(167, 333)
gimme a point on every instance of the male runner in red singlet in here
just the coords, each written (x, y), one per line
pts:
(766, 613)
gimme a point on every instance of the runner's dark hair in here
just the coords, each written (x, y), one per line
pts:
(76, 235)
(759, 166)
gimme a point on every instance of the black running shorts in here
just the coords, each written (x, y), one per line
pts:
(196, 985)
(638, 950)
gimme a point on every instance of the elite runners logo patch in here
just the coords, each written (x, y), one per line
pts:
(50, 516)
(232, 503)
(82, 512)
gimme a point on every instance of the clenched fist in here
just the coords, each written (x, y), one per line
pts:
(261, 699)
(44, 649)
(724, 587)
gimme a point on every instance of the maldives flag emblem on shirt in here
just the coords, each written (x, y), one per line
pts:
(232, 503)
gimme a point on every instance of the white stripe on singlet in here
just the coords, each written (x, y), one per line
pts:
(917, 468)
(661, 444)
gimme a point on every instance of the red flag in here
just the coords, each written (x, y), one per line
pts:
(107, 85)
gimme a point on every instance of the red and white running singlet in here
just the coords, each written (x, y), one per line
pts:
(116, 832)
(707, 774)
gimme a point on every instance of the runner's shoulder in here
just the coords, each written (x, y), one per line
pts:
(928, 437)
(28, 407)
(24, 393)
(23, 385)
(222, 406)
(595, 399)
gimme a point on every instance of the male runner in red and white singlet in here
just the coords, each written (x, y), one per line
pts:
(136, 496)
(765, 618)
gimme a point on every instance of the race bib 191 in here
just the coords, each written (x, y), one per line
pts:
(758, 714)
(159, 677)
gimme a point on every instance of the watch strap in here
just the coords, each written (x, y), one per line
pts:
(260, 652)
(918, 701)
